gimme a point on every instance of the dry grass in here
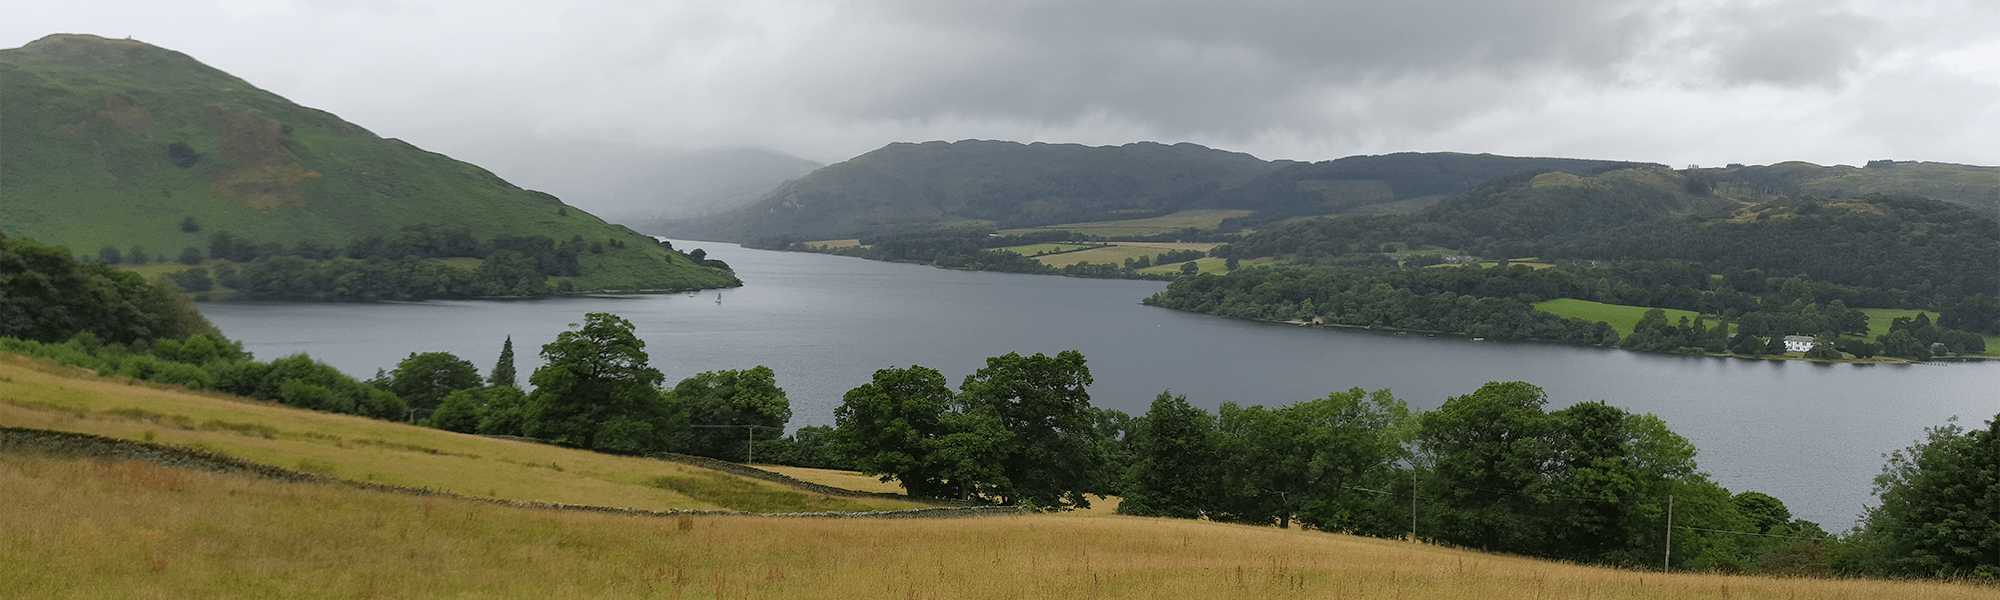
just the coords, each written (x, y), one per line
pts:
(1199, 219)
(35, 395)
(847, 480)
(85, 529)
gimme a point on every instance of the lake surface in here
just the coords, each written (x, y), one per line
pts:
(1812, 435)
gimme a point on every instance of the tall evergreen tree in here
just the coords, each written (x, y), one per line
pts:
(503, 371)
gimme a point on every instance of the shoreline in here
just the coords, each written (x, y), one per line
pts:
(1786, 356)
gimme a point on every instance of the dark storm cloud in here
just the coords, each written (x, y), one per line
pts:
(1675, 81)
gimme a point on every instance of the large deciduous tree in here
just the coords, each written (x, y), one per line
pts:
(1055, 457)
(597, 391)
(903, 426)
(1940, 512)
(721, 405)
(423, 380)
(1175, 461)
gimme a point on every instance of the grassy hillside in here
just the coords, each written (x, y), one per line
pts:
(99, 528)
(119, 143)
(87, 529)
(37, 396)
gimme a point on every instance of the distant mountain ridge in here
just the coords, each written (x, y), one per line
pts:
(987, 183)
(980, 183)
(906, 186)
(120, 144)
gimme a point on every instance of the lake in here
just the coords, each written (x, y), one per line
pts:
(1812, 435)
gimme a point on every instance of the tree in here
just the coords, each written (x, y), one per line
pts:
(47, 295)
(109, 255)
(189, 225)
(1189, 268)
(190, 256)
(1485, 448)
(459, 412)
(1940, 511)
(901, 426)
(1175, 464)
(1053, 458)
(503, 371)
(596, 391)
(424, 380)
(722, 405)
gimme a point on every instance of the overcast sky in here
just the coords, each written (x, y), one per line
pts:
(1672, 81)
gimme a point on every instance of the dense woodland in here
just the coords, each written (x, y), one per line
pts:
(409, 264)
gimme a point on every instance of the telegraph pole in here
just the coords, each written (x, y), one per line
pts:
(1667, 564)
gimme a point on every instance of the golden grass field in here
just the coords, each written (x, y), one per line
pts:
(94, 529)
(1199, 219)
(79, 528)
(350, 447)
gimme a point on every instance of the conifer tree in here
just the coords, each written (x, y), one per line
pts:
(503, 372)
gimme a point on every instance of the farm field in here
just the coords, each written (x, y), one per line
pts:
(1210, 265)
(86, 529)
(1620, 317)
(1199, 219)
(35, 395)
(846, 243)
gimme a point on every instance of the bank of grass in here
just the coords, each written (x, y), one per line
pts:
(1034, 250)
(846, 243)
(1210, 265)
(91, 529)
(36, 395)
(1198, 219)
(1116, 255)
(1620, 317)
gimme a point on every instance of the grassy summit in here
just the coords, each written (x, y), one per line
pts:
(119, 143)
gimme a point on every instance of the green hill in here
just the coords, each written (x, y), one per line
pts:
(905, 187)
(1974, 187)
(994, 184)
(117, 143)
(1404, 180)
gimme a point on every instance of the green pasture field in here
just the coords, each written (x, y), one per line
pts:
(1045, 249)
(1620, 317)
(1879, 318)
(1199, 219)
(1107, 254)
(846, 243)
(1210, 265)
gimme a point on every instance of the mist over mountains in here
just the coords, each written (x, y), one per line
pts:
(632, 184)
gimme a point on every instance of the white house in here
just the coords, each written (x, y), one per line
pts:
(1798, 343)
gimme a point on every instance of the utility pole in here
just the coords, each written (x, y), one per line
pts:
(749, 450)
(1413, 503)
(1667, 564)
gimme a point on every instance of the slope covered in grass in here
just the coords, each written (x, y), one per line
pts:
(36, 395)
(123, 144)
(90, 529)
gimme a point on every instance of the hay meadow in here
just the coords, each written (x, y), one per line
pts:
(84, 528)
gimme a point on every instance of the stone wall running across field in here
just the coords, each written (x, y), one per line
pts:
(83, 445)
